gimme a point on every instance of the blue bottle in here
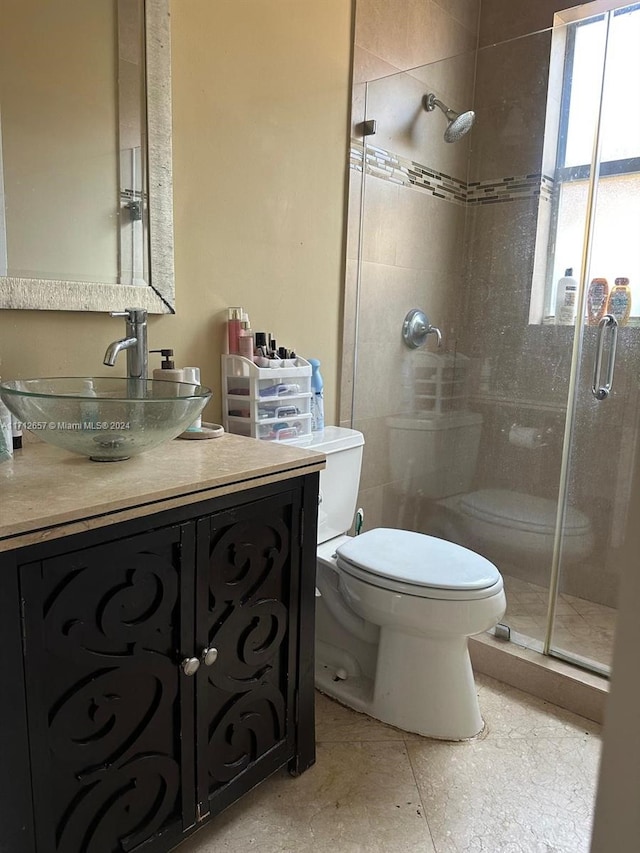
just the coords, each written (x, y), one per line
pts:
(317, 400)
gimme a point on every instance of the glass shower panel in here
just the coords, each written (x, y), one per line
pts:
(520, 355)
(411, 256)
(604, 441)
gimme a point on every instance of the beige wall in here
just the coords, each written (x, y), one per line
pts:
(261, 97)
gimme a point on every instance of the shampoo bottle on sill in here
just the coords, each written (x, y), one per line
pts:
(597, 297)
(619, 302)
(566, 299)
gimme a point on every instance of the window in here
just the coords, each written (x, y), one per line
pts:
(616, 238)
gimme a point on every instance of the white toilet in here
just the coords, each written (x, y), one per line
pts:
(395, 609)
(434, 458)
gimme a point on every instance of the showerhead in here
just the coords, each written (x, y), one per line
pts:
(459, 123)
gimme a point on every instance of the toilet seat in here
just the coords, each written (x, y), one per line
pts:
(416, 564)
(519, 511)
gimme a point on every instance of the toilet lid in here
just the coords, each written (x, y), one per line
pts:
(417, 560)
(522, 512)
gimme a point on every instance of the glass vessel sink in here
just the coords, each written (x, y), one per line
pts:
(107, 419)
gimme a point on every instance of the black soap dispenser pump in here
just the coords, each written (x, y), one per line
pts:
(167, 370)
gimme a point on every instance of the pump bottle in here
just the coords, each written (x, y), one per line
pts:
(317, 400)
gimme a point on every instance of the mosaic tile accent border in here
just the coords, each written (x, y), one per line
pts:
(509, 189)
(399, 170)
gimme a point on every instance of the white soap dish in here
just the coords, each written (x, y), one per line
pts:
(205, 431)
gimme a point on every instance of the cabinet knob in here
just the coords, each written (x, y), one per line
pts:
(190, 666)
(209, 656)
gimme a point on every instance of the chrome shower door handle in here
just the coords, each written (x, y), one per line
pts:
(601, 391)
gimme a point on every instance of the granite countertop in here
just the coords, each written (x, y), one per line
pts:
(46, 492)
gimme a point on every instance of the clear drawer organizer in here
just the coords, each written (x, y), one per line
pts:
(269, 403)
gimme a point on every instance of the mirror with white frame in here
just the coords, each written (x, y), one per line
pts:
(86, 212)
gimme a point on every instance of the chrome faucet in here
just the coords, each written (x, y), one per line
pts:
(135, 344)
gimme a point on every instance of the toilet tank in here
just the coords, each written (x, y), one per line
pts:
(434, 455)
(340, 480)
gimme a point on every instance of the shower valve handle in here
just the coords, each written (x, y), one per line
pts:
(416, 328)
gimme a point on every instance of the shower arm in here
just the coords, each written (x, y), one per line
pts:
(431, 102)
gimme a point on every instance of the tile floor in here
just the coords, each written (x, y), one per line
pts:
(525, 785)
(583, 628)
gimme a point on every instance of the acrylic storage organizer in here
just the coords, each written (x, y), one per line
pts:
(441, 383)
(269, 403)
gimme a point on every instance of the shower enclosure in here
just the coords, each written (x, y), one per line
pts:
(507, 439)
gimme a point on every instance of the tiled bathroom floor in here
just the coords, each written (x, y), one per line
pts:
(525, 785)
(583, 628)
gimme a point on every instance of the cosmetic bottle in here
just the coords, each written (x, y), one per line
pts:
(16, 433)
(6, 441)
(234, 324)
(566, 299)
(192, 375)
(167, 370)
(619, 302)
(245, 338)
(317, 400)
(597, 296)
(261, 345)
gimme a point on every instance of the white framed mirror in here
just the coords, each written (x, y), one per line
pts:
(86, 206)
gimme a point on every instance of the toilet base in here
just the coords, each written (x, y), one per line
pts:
(438, 689)
(435, 681)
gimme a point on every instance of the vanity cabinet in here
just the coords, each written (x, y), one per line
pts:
(162, 667)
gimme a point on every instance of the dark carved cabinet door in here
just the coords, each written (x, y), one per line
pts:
(248, 567)
(105, 629)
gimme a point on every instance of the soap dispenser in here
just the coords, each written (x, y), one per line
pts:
(167, 370)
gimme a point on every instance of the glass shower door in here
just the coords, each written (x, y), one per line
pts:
(602, 449)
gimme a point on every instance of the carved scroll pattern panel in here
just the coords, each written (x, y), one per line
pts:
(108, 679)
(248, 612)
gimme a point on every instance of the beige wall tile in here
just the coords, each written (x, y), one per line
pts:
(507, 19)
(367, 66)
(465, 11)
(386, 294)
(430, 233)
(375, 460)
(380, 224)
(433, 34)
(452, 79)
(370, 500)
(410, 33)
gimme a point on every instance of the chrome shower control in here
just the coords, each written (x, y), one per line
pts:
(416, 328)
